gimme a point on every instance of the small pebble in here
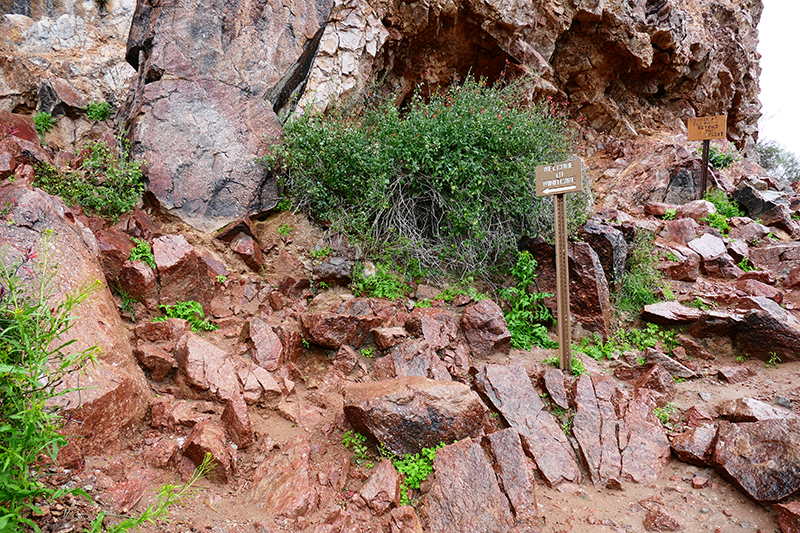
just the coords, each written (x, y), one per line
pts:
(783, 401)
(705, 396)
(705, 510)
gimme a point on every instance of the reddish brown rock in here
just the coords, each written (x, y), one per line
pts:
(265, 346)
(756, 288)
(257, 384)
(779, 258)
(382, 489)
(154, 358)
(169, 330)
(436, 326)
(770, 332)
(236, 422)
(696, 210)
(464, 495)
(429, 412)
(162, 453)
(680, 263)
(293, 287)
(336, 271)
(670, 313)
(301, 413)
(515, 472)
(115, 248)
(694, 446)
(291, 336)
(761, 458)
(208, 437)
(346, 360)
(246, 247)
(281, 484)
(125, 495)
(511, 393)
(332, 330)
(405, 520)
(708, 247)
(748, 231)
(750, 410)
(693, 348)
(553, 381)
(788, 515)
(594, 427)
(696, 417)
(139, 281)
(673, 367)
(385, 338)
(485, 328)
(657, 518)
(643, 445)
(207, 370)
(243, 226)
(734, 374)
(183, 273)
(414, 357)
(680, 231)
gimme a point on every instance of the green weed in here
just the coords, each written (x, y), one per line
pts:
(357, 442)
(774, 360)
(642, 279)
(670, 214)
(745, 265)
(43, 123)
(190, 311)
(719, 157)
(321, 253)
(127, 303)
(725, 206)
(423, 303)
(382, 284)
(98, 111)
(698, 303)
(663, 413)
(284, 230)
(527, 312)
(415, 467)
(367, 352)
(715, 220)
(35, 360)
(222, 278)
(142, 252)
(463, 287)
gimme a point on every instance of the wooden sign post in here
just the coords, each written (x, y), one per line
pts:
(704, 129)
(558, 179)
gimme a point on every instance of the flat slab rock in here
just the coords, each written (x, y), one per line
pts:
(761, 458)
(410, 413)
(513, 395)
(465, 495)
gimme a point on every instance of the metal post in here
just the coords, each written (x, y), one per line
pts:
(704, 175)
(562, 285)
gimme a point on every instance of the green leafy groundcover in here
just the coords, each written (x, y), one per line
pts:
(445, 184)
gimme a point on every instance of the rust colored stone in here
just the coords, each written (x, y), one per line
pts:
(415, 357)
(281, 484)
(265, 345)
(436, 326)
(385, 338)
(695, 445)
(208, 437)
(236, 422)
(332, 330)
(515, 472)
(485, 328)
(154, 358)
(382, 489)
(788, 515)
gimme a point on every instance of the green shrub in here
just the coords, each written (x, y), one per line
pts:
(527, 312)
(98, 111)
(43, 123)
(670, 214)
(448, 182)
(464, 287)
(721, 158)
(382, 284)
(106, 183)
(34, 362)
(142, 252)
(357, 442)
(641, 280)
(726, 207)
(715, 220)
(190, 311)
(415, 467)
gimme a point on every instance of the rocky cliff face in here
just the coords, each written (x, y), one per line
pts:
(214, 77)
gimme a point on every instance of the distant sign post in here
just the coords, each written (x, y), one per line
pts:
(704, 129)
(557, 180)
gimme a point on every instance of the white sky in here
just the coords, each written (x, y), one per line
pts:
(779, 47)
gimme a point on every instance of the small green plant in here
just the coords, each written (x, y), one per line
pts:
(578, 368)
(672, 257)
(284, 230)
(382, 284)
(127, 303)
(771, 237)
(599, 350)
(43, 122)
(670, 214)
(142, 252)
(321, 253)
(168, 496)
(415, 467)
(678, 379)
(642, 279)
(108, 182)
(222, 278)
(774, 360)
(721, 158)
(367, 352)
(725, 206)
(357, 442)
(745, 265)
(305, 343)
(699, 303)
(190, 311)
(663, 413)
(323, 286)
(35, 360)
(423, 303)
(741, 358)
(98, 111)
(527, 312)
(715, 220)
(463, 287)
(284, 204)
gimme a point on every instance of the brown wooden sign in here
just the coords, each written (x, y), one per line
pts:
(559, 178)
(707, 128)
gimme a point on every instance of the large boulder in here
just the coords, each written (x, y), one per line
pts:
(410, 413)
(114, 392)
(206, 99)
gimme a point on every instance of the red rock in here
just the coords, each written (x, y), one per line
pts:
(115, 248)
(695, 446)
(265, 345)
(669, 364)
(243, 226)
(162, 453)
(332, 330)
(750, 410)
(257, 383)
(512, 394)
(788, 515)
(708, 247)
(382, 489)
(125, 495)
(696, 210)
(677, 262)
(405, 520)
(208, 437)
(657, 518)
(693, 348)
(301, 413)
(182, 272)
(281, 484)
(385, 338)
(414, 357)
(680, 231)
(247, 249)
(139, 281)
(515, 472)
(156, 360)
(756, 288)
(436, 326)
(699, 482)
(346, 360)
(769, 332)
(430, 412)
(291, 337)
(236, 422)
(553, 380)
(170, 330)
(57, 94)
(658, 209)
(293, 287)
(761, 458)
(465, 495)
(670, 313)
(749, 231)
(643, 445)
(734, 374)
(594, 427)
(207, 370)
(696, 417)
(485, 328)
(22, 126)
